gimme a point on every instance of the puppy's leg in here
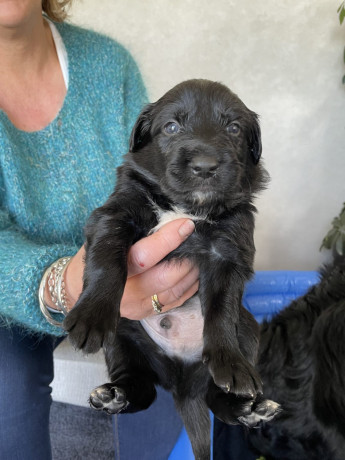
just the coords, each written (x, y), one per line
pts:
(195, 415)
(131, 386)
(223, 314)
(248, 335)
(97, 311)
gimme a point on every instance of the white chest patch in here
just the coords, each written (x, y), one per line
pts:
(179, 332)
(165, 217)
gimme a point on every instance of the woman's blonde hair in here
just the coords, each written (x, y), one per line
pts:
(56, 9)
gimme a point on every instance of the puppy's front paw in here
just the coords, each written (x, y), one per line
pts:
(108, 398)
(88, 327)
(232, 373)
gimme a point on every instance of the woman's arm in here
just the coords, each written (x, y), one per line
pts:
(22, 264)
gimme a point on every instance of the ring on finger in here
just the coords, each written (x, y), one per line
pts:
(156, 305)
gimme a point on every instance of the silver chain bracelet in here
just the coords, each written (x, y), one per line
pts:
(56, 286)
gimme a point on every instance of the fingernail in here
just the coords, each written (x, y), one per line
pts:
(187, 228)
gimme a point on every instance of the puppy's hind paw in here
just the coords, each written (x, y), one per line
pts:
(108, 398)
(233, 374)
(264, 411)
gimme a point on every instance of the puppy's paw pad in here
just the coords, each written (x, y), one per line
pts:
(109, 398)
(265, 411)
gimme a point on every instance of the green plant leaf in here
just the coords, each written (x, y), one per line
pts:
(340, 6)
(342, 15)
(341, 12)
(335, 238)
(329, 239)
(339, 245)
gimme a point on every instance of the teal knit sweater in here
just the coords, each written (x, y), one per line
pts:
(50, 180)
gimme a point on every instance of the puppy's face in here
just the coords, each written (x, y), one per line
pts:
(200, 143)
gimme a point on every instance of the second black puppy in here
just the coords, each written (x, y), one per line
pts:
(195, 153)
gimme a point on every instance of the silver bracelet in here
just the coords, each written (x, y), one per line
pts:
(56, 285)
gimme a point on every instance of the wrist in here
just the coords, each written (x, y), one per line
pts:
(74, 278)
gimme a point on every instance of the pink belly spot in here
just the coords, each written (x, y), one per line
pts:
(179, 332)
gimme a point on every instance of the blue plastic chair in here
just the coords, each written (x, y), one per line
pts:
(266, 294)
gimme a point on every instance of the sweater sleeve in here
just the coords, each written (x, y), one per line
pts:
(22, 264)
(24, 257)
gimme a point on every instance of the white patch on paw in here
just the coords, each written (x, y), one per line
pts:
(265, 411)
(112, 405)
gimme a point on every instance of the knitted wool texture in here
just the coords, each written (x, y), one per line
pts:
(50, 180)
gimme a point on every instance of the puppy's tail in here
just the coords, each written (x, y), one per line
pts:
(196, 419)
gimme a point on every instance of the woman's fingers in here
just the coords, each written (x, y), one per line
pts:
(175, 295)
(149, 251)
(178, 284)
(173, 282)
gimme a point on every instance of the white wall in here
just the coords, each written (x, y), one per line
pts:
(284, 59)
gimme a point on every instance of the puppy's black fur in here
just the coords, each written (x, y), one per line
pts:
(302, 364)
(195, 150)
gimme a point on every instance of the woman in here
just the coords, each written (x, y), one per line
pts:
(68, 100)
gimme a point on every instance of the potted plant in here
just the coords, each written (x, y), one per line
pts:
(335, 238)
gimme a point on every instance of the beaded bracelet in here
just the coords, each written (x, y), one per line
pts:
(56, 286)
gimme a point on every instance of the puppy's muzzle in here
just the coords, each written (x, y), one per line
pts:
(204, 166)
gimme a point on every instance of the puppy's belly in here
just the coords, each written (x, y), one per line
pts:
(178, 332)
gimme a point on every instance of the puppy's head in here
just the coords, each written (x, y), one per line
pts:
(201, 144)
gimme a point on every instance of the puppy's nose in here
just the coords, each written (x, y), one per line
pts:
(204, 166)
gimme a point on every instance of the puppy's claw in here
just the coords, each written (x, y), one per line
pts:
(233, 373)
(88, 328)
(226, 388)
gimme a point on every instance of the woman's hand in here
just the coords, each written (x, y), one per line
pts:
(173, 282)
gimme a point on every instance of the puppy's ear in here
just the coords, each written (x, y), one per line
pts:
(255, 146)
(141, 134)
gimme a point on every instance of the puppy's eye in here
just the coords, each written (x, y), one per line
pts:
(233, 128)
(172, 128)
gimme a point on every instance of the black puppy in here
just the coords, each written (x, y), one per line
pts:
(302, 364)
(194, 152)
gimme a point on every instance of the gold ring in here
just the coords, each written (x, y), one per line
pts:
(156, 305)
